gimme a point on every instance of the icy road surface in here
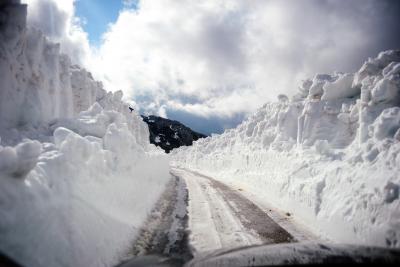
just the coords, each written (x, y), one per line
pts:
(221, 217)
(197, 214)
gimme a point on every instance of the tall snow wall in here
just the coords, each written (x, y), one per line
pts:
(77, 176)
(330, 155)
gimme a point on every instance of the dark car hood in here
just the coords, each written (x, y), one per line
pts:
(293, 254)
(290, 254)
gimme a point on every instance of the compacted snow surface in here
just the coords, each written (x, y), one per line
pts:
(221, 218)
(330, 155)
(77, 174)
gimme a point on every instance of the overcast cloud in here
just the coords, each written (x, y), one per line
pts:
(214, 61)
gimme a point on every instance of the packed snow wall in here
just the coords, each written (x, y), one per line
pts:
(330, 155)
(77, 174)
(38, 83)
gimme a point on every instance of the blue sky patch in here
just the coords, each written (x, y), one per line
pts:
(97, 15)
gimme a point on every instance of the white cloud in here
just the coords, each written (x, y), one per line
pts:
(162, 112)
(230, 56)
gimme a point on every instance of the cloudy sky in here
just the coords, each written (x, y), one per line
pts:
(210, 63)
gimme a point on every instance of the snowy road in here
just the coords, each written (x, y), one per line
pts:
(221, 217)
(197, 214)
(164, 233)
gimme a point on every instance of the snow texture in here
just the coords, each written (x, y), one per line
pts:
(77, 174)
(330, 155)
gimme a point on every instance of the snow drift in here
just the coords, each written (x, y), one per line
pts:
(77, 174)
(330, 155)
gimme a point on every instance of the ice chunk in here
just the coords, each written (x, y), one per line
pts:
(27, 153)
(60, 134)
(374, 67)
(93, 110)
(391, 69)
(20, 160)
(305, 86)
(318, 83)
(387, 124)
(386, 91)
(340, 88)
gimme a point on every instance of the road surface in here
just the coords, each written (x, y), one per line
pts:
(197, 214)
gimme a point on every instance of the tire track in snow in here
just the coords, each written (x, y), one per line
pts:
(220, 217)
(252, 217)
(196, 214)
(164, 233)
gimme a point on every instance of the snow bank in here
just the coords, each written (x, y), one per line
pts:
(77, 174)
(330, 155)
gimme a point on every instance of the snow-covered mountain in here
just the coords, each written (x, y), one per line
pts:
(76, 168)
(170, 134)
(330, 155)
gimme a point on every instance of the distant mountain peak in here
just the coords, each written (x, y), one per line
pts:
(170, 134)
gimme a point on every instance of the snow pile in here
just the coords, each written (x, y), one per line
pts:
(330, 155)
(77, 174)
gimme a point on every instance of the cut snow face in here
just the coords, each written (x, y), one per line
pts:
(330, 156)
(76, 167)
(169, 134)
